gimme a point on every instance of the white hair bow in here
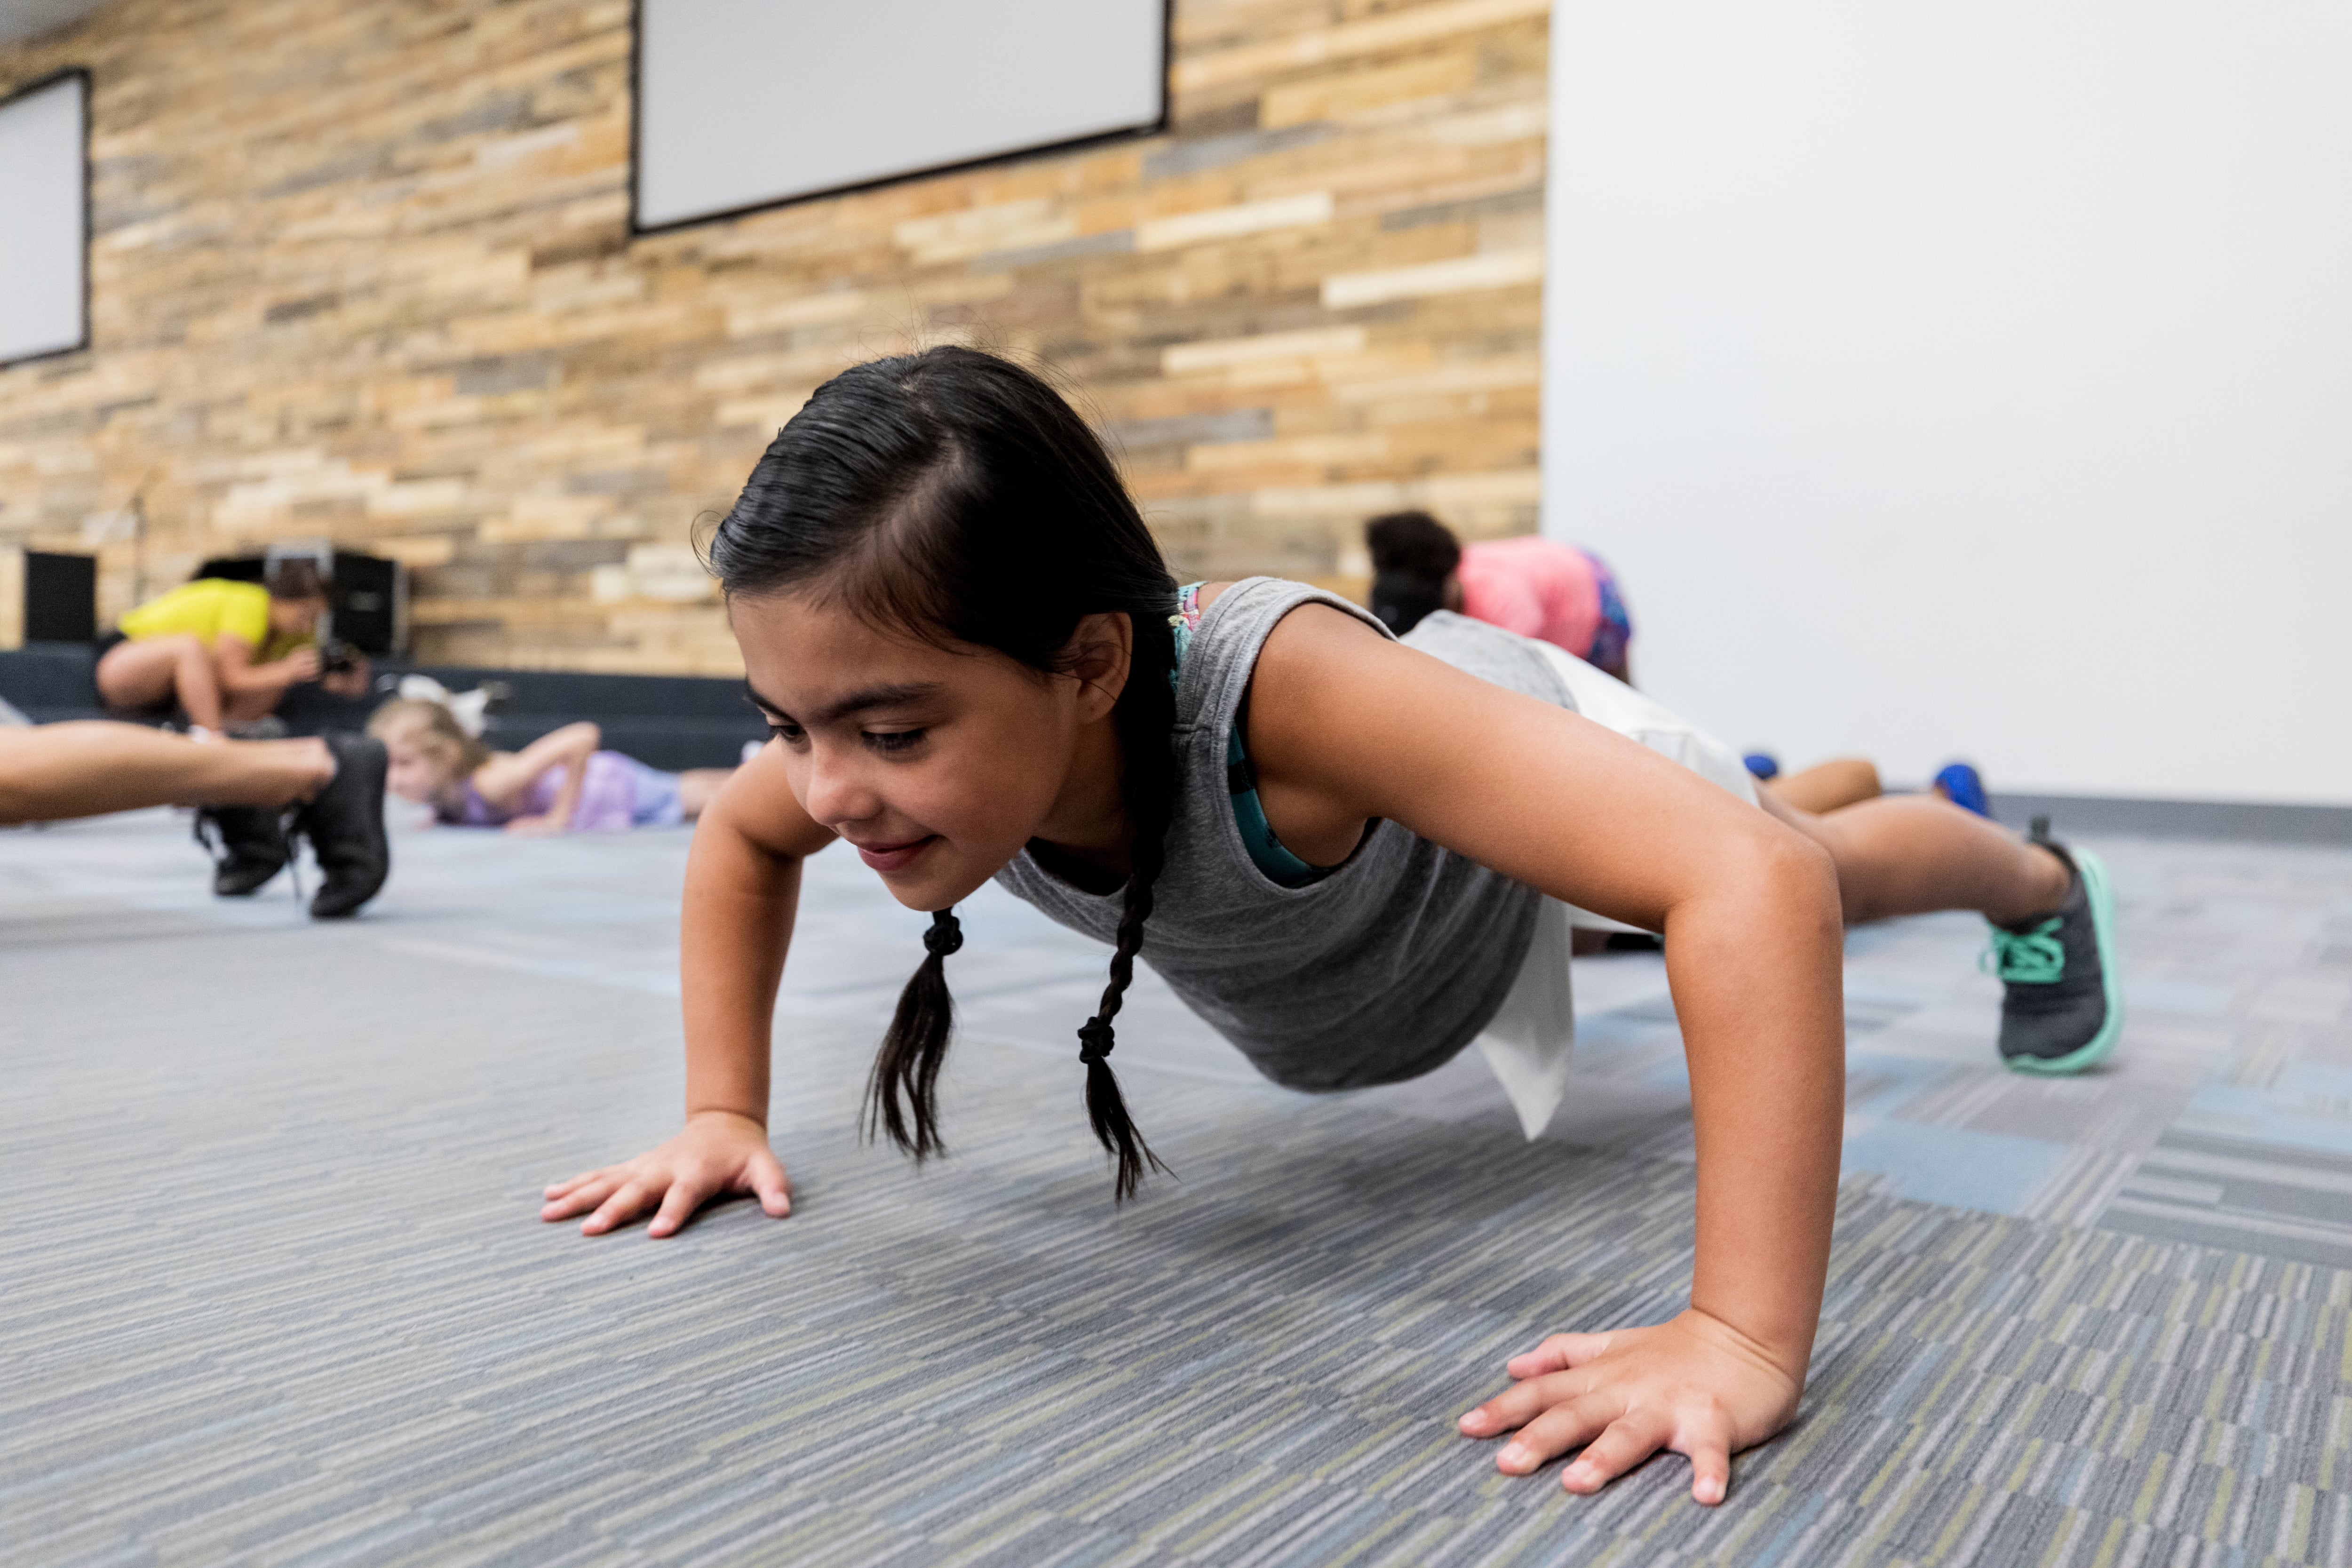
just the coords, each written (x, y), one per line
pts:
(467, 708)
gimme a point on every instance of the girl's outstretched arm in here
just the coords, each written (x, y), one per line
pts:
(508, 777)
(742, 890)
(1346, 727)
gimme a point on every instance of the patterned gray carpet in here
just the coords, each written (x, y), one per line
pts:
(271, 1289)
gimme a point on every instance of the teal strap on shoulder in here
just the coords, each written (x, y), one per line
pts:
(1265, 851)
(1280, 866)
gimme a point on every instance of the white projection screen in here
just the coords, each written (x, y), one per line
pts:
(748, 104)
(45, 218)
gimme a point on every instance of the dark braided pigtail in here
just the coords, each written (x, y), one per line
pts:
(1147, 723)
(908, 1065)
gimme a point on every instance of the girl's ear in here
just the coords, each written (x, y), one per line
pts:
(1099, 654)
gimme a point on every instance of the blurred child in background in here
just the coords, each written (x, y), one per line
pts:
(560, 783)
(1534, 586)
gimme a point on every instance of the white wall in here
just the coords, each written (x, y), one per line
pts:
(1968, 379)
(42, 248)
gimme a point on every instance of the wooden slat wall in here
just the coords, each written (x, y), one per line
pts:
(362, 269)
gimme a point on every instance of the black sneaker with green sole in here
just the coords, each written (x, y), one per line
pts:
(2064, 1006)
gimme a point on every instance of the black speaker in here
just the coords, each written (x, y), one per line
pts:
(367, 591)
(60, 597)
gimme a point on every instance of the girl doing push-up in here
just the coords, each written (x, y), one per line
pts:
(1350, 855)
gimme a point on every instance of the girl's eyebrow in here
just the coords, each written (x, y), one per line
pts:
(855, 702)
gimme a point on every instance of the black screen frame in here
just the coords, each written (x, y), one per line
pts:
(639, 229)
(89, 238)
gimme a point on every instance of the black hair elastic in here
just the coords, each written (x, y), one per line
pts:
(1095, 1040)
(945, 935)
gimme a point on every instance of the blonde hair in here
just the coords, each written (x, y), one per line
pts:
(432, 729)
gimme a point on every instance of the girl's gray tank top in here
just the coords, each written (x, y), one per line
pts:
(1380, 972)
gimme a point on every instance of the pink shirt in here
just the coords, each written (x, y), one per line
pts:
(1534, 586)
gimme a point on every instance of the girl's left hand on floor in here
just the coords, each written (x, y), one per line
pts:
(534, 827)
(1696, 1386)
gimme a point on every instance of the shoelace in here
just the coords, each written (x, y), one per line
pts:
(2033, 957)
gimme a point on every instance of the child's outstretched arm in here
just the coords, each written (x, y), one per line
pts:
(507, 778)
(742, 891)
(1344, 727)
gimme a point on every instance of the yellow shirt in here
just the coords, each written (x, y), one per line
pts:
(204, 609)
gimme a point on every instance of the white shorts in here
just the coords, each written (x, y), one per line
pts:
(1530, 1041)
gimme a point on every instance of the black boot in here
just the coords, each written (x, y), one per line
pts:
(346, 827)
(248, 844)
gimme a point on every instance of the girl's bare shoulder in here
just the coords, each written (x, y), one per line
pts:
(1322, 668)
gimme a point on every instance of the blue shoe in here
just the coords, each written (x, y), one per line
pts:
(1964, 788)
(1762, 764)
(2062, 1007)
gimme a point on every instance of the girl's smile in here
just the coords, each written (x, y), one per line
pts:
(889, 858)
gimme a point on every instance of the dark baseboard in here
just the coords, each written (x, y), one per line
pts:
(2238, 820)
(669, 720)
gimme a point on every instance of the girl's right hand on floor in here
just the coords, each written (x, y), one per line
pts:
(1695, 1384)
(717, 1154)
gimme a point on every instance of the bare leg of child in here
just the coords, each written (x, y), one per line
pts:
(138, 674)
(1826, 786)
(1908, 855)
(697, 785)
(49, 772)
